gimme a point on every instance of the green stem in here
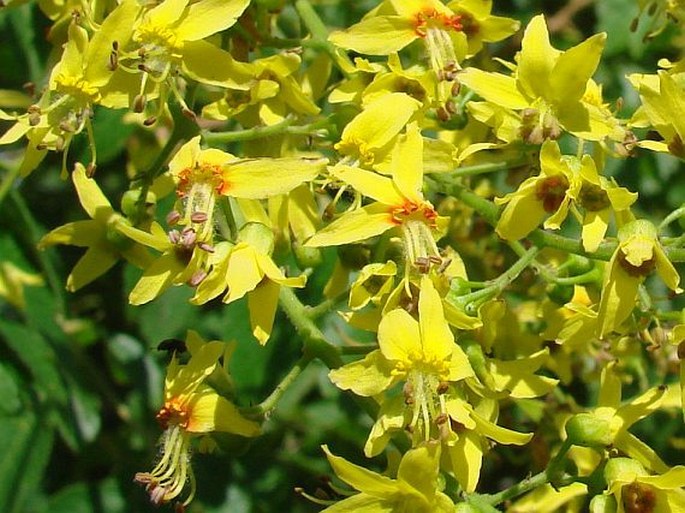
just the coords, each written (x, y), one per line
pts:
(270, 402)
(314, 312)
(481, 169)
(470, 302)
(676, 214)
(258, 132)
(319, 34)
(591, 276)
(315, 344)
(553, 473)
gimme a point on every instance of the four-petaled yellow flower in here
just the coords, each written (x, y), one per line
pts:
(422, 354)
(399, 203)
(191, 408)
(104, 235)
(547, 88)
(638, 254)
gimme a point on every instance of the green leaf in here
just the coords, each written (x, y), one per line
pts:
(34, 351)
(103, 497)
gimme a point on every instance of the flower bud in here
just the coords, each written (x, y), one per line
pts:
(624, 469)
(588, 430)
(258, 235)
(560, 294)
(129, 203)
(307, 257)
(603, 504)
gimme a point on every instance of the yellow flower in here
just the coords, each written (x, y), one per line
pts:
(549, 193)
(273, 94)
(78, 82)
(246, 268)
(420, 353)
(663, 105)
(372, 133)
(399, 203)
(202, 176)
(402, 22)
(636, 491)
(547, 88)
(12, 282)
(467, 432)
(612, 419)
(170, 38)
(479, 25)
(638, 254)
(416, 488)
(104, 235)
(191, 408)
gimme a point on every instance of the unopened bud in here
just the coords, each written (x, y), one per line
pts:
(307, 257)
(588, 430)
(603, 504)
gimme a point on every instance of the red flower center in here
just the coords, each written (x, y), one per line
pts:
(173, 413)
(431, 18)
(414, 211)
(551, 191)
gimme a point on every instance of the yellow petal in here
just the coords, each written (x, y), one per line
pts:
(78, 233)
(361, 478)
(574, 68)
(355, 226)
(243, 273)
(156, 279)
(94, 263)
(522, 215)
(210, 412)
(407, 164)
(208, 64)
(262, 303)
(370, 184)
(399, 336)
(618, 296)
(93, 200)
(436, 336)
(365, 37)
(367, 377)
(208, 17)
(377, 124)
(536, 60)
(495, 88)
(595, 224)
(466, 456)
(264, 177)
(500, 434)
